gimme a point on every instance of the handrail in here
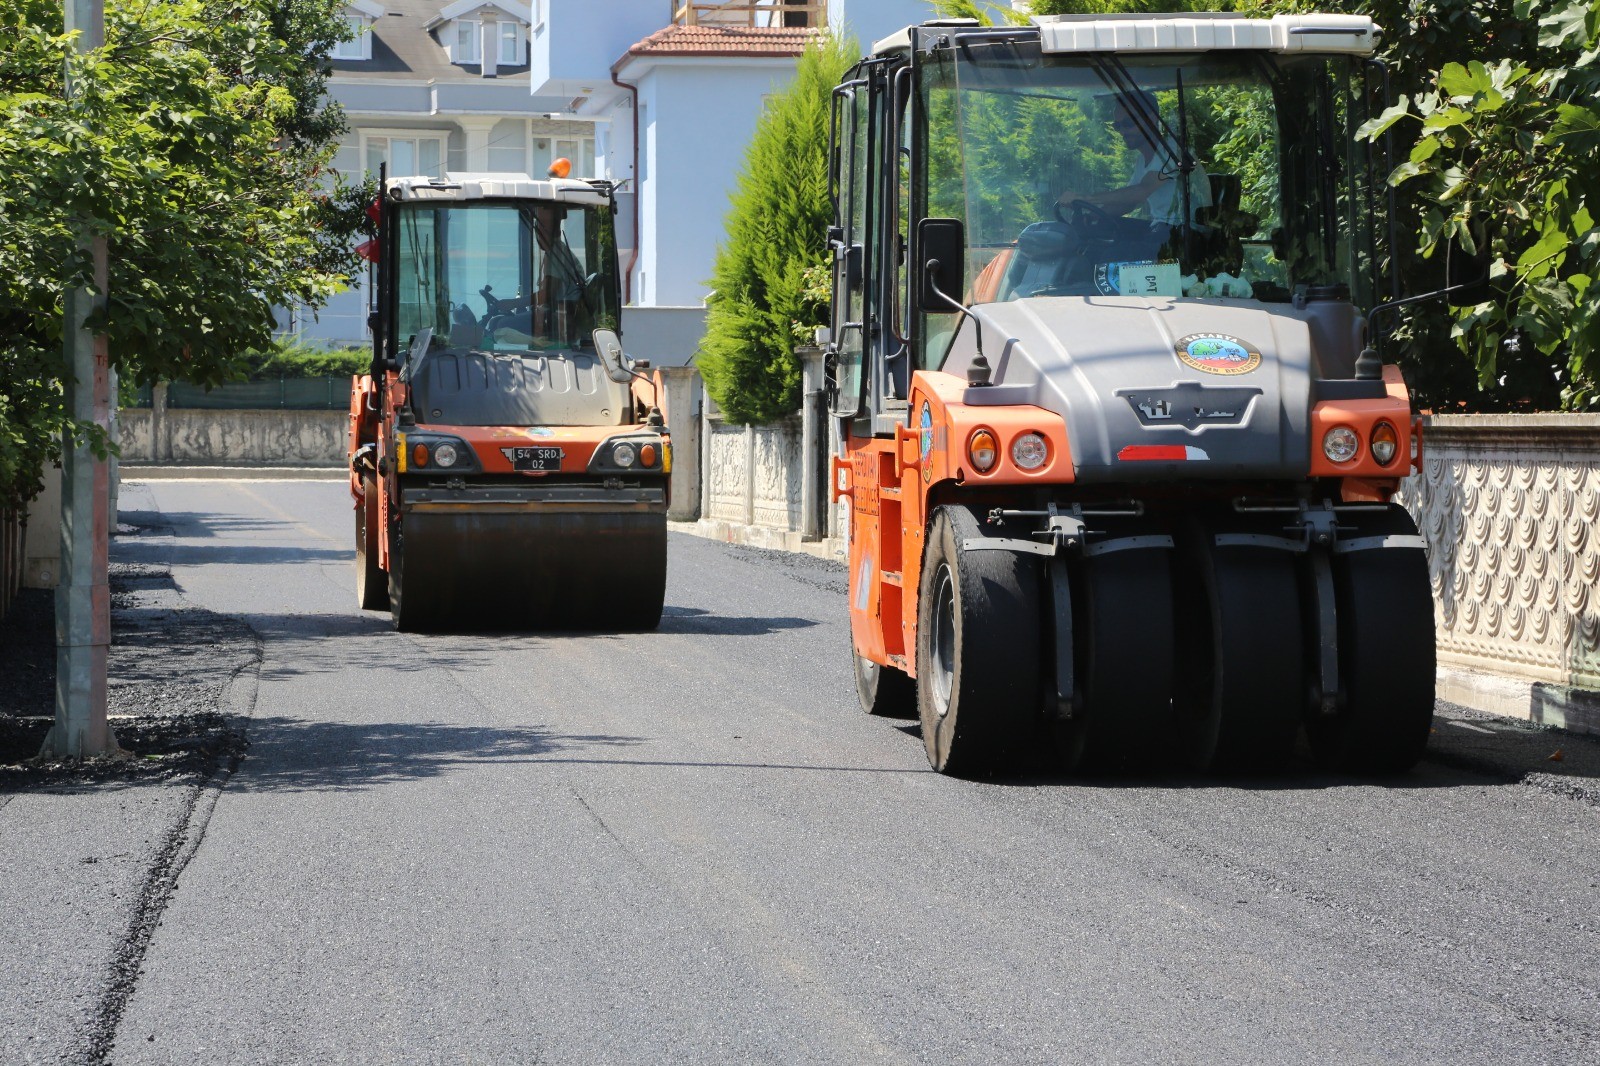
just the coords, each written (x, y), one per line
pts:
(751, 13)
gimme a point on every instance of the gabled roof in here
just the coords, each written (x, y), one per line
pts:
(402, 47)
(775, 42)
(463, 7)
(365, 7)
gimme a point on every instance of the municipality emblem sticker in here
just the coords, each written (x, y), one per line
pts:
(1217, 353)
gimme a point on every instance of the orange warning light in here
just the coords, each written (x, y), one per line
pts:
(561, 167)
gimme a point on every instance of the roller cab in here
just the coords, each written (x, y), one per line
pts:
(506, 470)
(1119, 451)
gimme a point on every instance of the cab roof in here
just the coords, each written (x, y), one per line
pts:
(462, 186)
(1190, 32)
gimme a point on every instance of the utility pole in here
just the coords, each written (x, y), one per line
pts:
(83, 598)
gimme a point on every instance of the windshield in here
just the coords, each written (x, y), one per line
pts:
(1156, 175)
(524, 277)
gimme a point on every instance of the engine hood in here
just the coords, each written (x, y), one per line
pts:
(1221, 386)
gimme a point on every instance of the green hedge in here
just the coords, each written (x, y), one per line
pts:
(291, 377)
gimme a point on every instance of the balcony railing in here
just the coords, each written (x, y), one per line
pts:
(771, 13)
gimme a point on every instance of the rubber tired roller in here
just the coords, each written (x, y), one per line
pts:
(508, 463)
(1119, 446)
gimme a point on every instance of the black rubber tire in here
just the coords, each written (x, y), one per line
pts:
(1243, 654)
(372, 584)
(978, 635)
(407, 618)
(884, 690)
(1123, 636)
(1386, 655)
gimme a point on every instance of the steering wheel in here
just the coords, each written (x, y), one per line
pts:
(1083, 216)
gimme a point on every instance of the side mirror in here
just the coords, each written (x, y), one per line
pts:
(942, 247)
(609, 345)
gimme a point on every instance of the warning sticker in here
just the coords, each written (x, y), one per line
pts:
(1141, 278)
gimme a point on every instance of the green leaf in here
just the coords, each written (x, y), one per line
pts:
(1425, 149)
(1540, 259)
(1447, 118)
(1404, 172)
(1573, 120)
(1567, 23)
(1464, 82)
(1374, 128)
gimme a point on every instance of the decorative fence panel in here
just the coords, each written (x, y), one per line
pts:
(1509, 505)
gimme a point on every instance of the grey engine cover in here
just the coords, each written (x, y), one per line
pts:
(1109, 365)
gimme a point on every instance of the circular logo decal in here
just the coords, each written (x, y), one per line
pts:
(927, 441)
(1217, 353)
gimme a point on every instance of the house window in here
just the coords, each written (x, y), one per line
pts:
(580, 150)
(466, 42)
(361, 46)
(408, 155)
(511, 44)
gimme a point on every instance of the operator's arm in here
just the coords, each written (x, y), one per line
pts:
(1118, 201)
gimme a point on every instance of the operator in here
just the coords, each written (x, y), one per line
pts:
(1152, 194)
(553, 294)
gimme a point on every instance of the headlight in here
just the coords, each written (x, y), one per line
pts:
(983, 451)
(622, 454)
(1385, 442)
(1340, 444)
(446, 454)
(1030, 451)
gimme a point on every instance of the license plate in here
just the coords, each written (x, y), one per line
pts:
(534, 458)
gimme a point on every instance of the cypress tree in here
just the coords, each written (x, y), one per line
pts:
(776, 229)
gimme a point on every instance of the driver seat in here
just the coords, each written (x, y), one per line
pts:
(464, 329)
(1043, 251)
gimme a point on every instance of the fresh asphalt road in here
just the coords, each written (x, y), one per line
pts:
(691, 846)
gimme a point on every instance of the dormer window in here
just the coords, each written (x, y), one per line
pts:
(511, 44)
(490, 33)
(359, 17)
(466, 42)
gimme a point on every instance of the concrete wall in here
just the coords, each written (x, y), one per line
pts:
(41, 548)
(667, 336)
(272, 438)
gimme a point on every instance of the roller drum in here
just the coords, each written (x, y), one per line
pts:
(466, 569)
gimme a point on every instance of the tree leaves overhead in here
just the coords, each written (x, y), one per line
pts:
(1506, 147)
(194, 142)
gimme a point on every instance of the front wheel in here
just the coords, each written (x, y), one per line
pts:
(372, 589)
(1386, 652)
(977, 651)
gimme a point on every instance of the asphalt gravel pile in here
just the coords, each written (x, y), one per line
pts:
(169, 664)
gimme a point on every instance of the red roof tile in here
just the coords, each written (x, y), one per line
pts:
(774, 41)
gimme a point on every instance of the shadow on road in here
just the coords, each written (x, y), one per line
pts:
(292, 755)
(695, 620)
